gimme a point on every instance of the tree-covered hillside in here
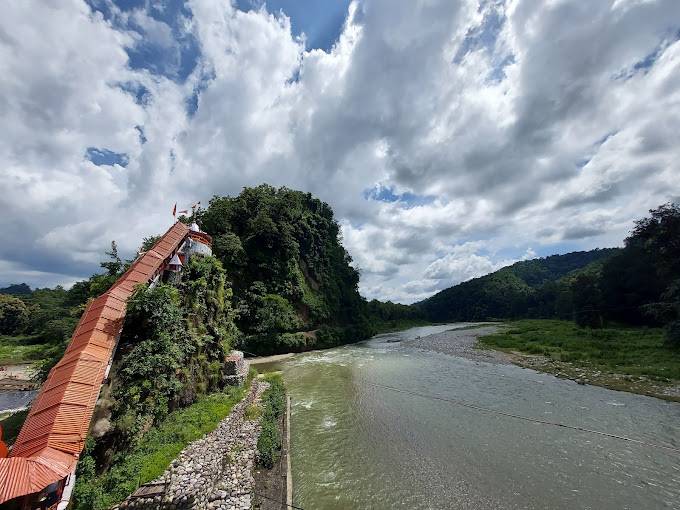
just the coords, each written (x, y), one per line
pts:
(294, 287)
(537, 288)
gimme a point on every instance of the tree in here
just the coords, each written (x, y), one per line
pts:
(13, 315)
(100, 283)
(115, 264)
(229, 249)
(659, 234)
(149, 242)
(276, 315)
(587, 301)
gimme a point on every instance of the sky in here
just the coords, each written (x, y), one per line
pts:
(450, 137)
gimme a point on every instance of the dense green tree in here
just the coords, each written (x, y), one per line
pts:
(229, 249)
(13, 315)
(629, 280)
(276, 314)
(587, 300)
(659, 234)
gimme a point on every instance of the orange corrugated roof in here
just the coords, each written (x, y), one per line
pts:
(54, 433)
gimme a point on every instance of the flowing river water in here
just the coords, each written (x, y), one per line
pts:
(357, 444)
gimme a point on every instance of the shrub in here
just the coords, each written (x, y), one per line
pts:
(13, 315)
(269, 443)
(253, 412)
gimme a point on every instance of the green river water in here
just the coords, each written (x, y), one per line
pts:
(356, 445)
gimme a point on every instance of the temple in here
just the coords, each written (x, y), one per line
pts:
(40, 469)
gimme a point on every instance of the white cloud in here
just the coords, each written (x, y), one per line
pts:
(533, 124)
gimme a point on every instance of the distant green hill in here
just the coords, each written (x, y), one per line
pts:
(16, 289)
(531, 288)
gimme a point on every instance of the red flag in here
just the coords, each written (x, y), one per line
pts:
(174, 210)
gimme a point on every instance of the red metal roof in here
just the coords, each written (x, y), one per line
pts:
(201, 237)
(54, 433)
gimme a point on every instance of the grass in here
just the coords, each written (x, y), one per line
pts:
(253, 412)
(623, 350)
(21, 349)
(157, 449)
(273, 406)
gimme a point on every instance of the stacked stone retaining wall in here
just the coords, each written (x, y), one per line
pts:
(214, 472)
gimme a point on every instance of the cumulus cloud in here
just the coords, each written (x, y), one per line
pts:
(449, 136)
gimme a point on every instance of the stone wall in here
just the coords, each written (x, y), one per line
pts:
(214, 472)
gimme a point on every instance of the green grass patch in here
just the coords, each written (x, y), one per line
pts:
(624, 350)
(22, 349)
(253, 412)
(154, 453)
(273, 406)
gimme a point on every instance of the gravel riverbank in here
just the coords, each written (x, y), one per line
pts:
(461, 342)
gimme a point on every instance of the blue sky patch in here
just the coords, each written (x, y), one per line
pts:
(596, 146)
(192, 100)
(141, 94)
(175, 58)
(387, 194)
(647, 62)
(320, 20)
(106, 157)
(482, 36)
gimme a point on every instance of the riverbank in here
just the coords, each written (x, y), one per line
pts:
(634, 360)
(461, 340)
(273, 482)
(213, 472)
(259, 360)
(158, 448)
(382, 328)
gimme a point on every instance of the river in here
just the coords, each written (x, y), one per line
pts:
(356, 445)
(10, 400)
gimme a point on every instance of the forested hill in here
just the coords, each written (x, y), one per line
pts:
(293, 285)
(531, 288)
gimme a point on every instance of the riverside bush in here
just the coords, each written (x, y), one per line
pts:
(269, 443)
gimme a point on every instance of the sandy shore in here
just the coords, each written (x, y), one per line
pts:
(269, 359)
(19, 371)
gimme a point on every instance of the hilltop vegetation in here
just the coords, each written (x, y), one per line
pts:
(538, 288)
(294, 285)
